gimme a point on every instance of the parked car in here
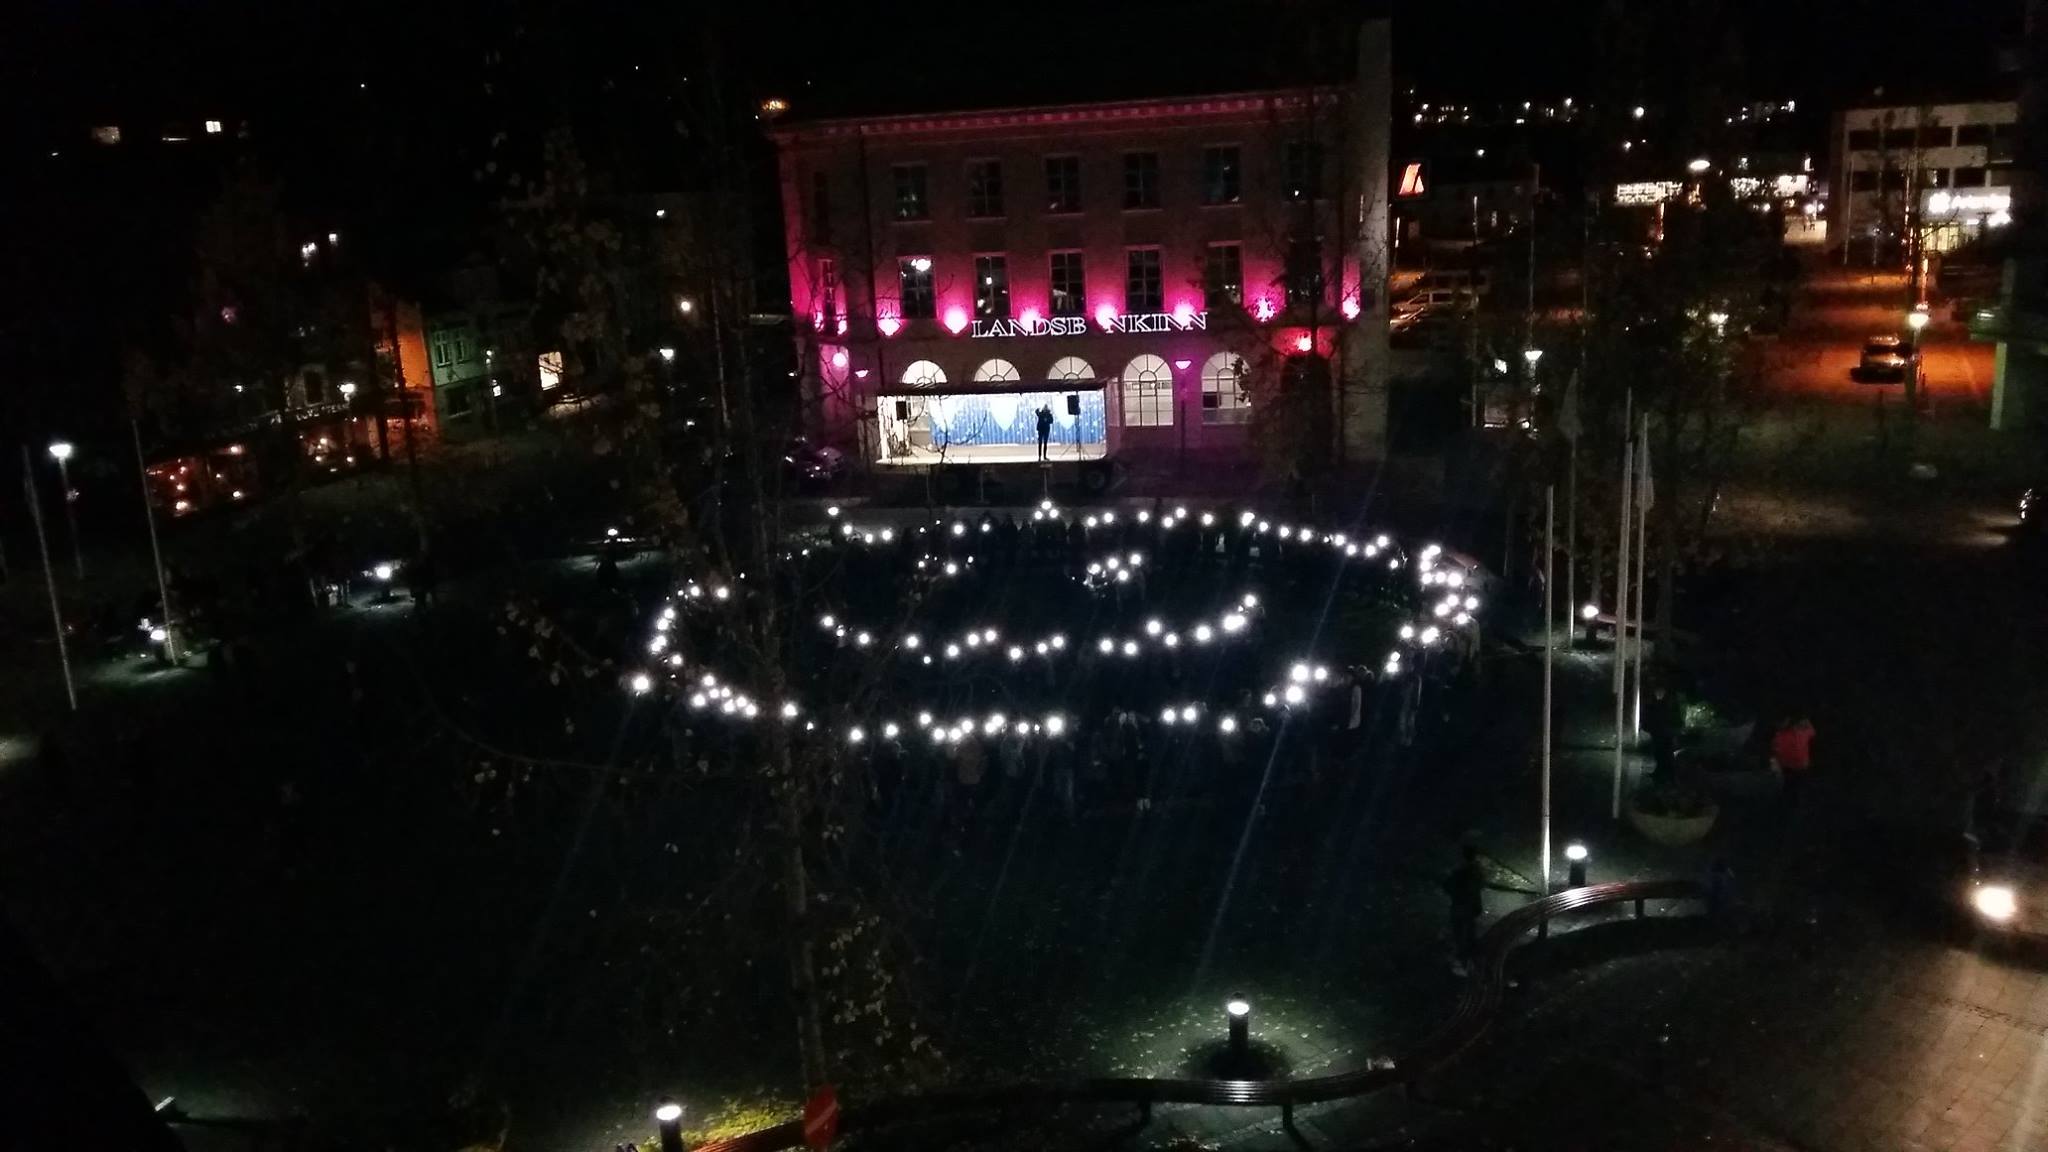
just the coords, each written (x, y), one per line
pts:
(2006, 847)
(1443, 299)
(810, 463)
(1885, 358)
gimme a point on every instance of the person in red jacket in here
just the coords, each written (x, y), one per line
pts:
(1792, 754)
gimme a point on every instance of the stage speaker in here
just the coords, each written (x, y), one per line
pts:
(1073, 404)
(903, 409)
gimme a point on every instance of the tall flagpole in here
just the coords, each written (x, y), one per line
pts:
(1549, 651)
(1628, 479)
(35, 512)
(1642, 555)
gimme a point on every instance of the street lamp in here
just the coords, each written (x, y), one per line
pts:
(1700, 165)
(668, 355)
(60, 451)
(348, 389)
(669, 1118)
(1238, 1011)
(1575, 858)
(1719, 320)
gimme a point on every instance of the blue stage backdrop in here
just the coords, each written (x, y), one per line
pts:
(1008, 418)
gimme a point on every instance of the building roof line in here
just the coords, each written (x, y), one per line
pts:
(1044, 115)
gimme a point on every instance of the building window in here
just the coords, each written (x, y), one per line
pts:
(1304, 169)
(1144, 290)
(213, 127)
(1972, 177)
(1934, 178)
(991, 287)
(1148, 393)
(1861, 181)
(1221, 175)
(1999, 175)
(107, 134)
(458, 401)
(1141, 180)
(996, 372)
(924, 374)
(821, 208)
(1069, 284)
(549, 365)
(1936, 136)
(828, 289)
(1304, 272)
(1224, 398)
(2005, 141)
(443, 346)
(984, 188)
(1071, 368)
(1971, 135)
(1223, 276)
(1898, 138)
(914, 281)
(912, 202)
(1865, 139)
(1062, 184)
(1892, 180)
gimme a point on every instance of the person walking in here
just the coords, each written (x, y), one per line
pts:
(1464, 885)
(1792, 755)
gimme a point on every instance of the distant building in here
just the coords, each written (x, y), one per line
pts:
(1928, 176)
(1150, 271)
(2018, 319)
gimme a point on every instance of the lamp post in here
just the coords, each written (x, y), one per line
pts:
(60, 451)
(1915, 321)
(156, 552)
(1575, 864)
(1238, 1012)
(669, 1119)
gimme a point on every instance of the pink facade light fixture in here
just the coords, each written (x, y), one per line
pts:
(818, 321)
(1304, 343)
(1350, 307)
(1105, 315)
(842, 326)
(956, 319)
(839, 357)
(1030, 317)
(860, 373)
(1183, 313)
(1183, 364)
(1262, 309)
(888, 324)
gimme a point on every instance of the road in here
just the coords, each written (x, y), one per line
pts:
(1838, 310)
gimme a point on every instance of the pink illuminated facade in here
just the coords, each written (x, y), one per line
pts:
(1156, 274)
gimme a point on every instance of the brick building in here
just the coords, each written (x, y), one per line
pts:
(1154, 272)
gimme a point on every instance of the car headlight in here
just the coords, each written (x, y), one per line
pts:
(1995, 902)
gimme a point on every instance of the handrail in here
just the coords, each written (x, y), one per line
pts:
(1475, 1011)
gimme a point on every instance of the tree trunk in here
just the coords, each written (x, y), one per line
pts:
(803, 966)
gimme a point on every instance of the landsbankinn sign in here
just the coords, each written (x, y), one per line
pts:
(1078, 325)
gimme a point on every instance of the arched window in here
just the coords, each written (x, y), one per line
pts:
(996, 372)
(1071, 368)
(1148, 393)
(1225, 397)
(924, 374)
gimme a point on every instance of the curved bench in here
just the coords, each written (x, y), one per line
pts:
(1475, 1011)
